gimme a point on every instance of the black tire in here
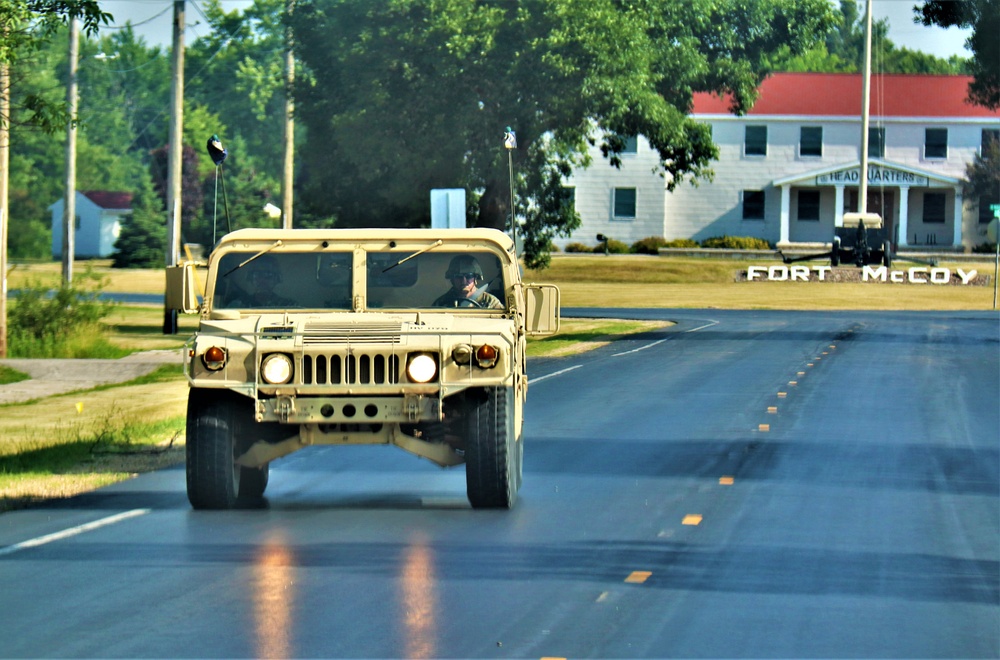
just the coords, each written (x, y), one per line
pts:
(214, 480)
(492, 452)
(835, 252)
(887, 254)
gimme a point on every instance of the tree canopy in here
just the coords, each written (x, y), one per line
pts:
(25, 27)
(411, 95)
(395, 98)
(983, 17)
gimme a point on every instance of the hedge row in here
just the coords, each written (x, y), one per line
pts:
(652, 245)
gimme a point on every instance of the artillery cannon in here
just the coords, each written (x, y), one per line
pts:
(862, 241)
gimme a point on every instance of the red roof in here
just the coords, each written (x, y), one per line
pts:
(839, 94)
(109, 200)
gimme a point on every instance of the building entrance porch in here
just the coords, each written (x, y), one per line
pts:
(901, 195)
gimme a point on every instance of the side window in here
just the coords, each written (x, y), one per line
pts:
(755, 141)
(624, 203)
(753, 204)
(811, 141)
(876, 142)
(936, 143)
(934, 208)
(808, 205)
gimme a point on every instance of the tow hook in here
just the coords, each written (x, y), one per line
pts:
(283, 407)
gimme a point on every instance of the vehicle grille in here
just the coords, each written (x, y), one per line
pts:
(352, 369)
(359, 333)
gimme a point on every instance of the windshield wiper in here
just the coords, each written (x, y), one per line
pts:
(430, 247)
(244, 263)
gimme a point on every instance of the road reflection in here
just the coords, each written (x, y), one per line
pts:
(273, 585)
(418, 599)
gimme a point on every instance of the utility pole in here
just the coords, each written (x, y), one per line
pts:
(4, 179)
(176, 154)
(69, 208)
(865, 94)
(288, 176)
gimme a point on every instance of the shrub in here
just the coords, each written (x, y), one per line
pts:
(985, 248)
(648, 245)
(736, 243)
(614, 247)
(578, 247)
(681, 243)
(63, 323)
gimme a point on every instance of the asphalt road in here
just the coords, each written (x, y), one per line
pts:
(742, 484)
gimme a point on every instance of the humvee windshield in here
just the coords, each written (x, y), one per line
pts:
(325, 280)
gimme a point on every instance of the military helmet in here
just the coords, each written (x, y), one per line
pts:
(462, 264)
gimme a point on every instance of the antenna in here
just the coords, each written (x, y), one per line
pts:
(510, 144)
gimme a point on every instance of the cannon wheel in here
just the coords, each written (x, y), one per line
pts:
(886, 254)
(835, 252)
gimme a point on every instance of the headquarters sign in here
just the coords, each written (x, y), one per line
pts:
(876, 175)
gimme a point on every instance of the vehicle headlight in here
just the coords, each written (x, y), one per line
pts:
(276, 369)
(421, 368)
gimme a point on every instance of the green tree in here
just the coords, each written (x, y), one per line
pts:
(982, 175)
(240, 76)
(27, 26)
(843, 51)
(411, 95)
(983, 17)
(142, 242)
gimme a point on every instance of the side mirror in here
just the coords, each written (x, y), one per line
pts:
(181, 293)
(541, 312)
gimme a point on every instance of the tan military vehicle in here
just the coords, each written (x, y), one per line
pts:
(413, 338)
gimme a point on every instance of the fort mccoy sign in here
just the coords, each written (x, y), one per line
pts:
(915, 275)
(877, 175)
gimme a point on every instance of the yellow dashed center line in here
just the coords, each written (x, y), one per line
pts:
(726, 481)
(638, 577)
(692, 519)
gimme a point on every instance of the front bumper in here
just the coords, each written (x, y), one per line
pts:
(407, 408)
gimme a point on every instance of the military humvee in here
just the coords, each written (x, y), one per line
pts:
(340, 337)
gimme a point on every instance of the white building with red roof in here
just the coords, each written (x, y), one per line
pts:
(789, 169)
(99, 216)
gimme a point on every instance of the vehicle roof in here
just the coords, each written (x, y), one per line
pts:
(475, 235)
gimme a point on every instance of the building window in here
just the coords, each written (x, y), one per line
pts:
(755, 142)
(936, 143)
(811, 141)
(753, 204)
(934, 208)
(567, 198)
(809, 205)
(991, 136)
(624, 202)
(631, 145)
(876, 142)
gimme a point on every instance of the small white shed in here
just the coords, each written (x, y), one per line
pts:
(99, 214)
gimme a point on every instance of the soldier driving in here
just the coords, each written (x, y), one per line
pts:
(467, 290)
